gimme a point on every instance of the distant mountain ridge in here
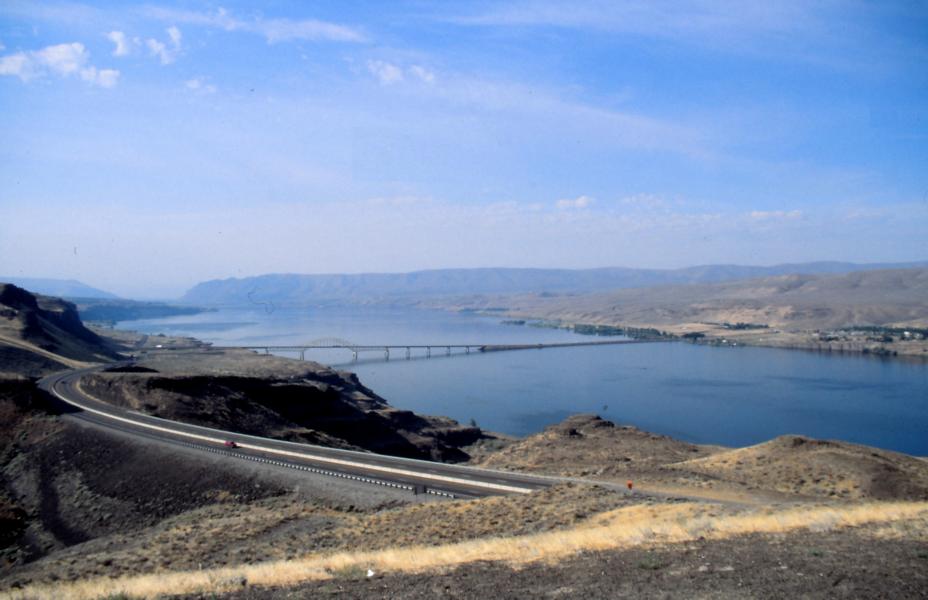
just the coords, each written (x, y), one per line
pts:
(885, 297)
(296, 289)
(61, 288)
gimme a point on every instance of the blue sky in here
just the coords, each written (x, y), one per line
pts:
(146, 147)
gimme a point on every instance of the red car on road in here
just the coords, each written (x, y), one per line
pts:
(230, 444)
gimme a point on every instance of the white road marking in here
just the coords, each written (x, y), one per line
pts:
(335, 461)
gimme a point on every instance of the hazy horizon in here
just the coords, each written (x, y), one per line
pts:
(25, 280)
(149, 148)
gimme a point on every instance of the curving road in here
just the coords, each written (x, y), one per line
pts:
(417, 476)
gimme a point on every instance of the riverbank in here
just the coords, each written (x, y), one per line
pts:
(873, 341)
(882, 313)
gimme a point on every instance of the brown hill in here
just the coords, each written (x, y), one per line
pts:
(787, 466)
(40, 334)
(896, 297)
(800, 465)
(587, 445)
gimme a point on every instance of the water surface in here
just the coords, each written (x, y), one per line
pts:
(731, 396)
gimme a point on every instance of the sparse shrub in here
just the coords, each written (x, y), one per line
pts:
(699, 528)
(651, 563)
(827, 523)
(349, 572)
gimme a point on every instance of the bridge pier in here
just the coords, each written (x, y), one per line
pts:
(448, 351)
(407, 352)
(386, 353)
(354, 355)
(428, 352)
(303, 354)
(466, 349)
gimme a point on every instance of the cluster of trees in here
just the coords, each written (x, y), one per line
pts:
(740, 325)
(639, 333)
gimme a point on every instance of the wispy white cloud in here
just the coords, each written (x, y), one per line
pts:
(106, 78)
(779, 215)
(556, 112)
(63, 60)
(658, 18)
(866, 213)
(19, 65)
(200, 86)
(121, 42)
(389, 73)
(160, 50)
(386, 73)
(67, 12)
(422, 73)
(166, 52)
(574, 203)
(273, 30)
(552, 111)
(175, 35)
(282, 30)
(759, 28)
(644, 201)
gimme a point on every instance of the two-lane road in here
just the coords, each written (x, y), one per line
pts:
(419, 475)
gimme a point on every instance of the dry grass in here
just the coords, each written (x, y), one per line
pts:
(617, 529)
(798, 465)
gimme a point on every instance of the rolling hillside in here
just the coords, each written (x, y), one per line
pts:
(892, 297)
(40, 334)
(295, 289)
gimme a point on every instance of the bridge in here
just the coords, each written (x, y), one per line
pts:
(408, 349)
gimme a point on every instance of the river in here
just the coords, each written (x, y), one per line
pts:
(733, 396)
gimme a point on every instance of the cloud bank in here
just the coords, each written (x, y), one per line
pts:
(63, 60)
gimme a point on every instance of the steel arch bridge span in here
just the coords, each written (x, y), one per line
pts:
(333, 343)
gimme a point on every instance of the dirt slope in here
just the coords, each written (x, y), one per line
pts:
(587, 445)
(783, 468)
(40, 334)
(800, 465)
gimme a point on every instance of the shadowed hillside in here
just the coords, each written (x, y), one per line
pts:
(40, 334)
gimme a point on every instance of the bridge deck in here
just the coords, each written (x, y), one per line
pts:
(481, 347)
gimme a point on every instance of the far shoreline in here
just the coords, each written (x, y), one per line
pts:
(914, 351)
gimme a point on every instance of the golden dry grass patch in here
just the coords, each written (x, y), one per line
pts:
(617, 529)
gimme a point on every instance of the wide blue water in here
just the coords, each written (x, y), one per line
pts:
(721, 395)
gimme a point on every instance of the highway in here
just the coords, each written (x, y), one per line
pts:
(417, 476)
